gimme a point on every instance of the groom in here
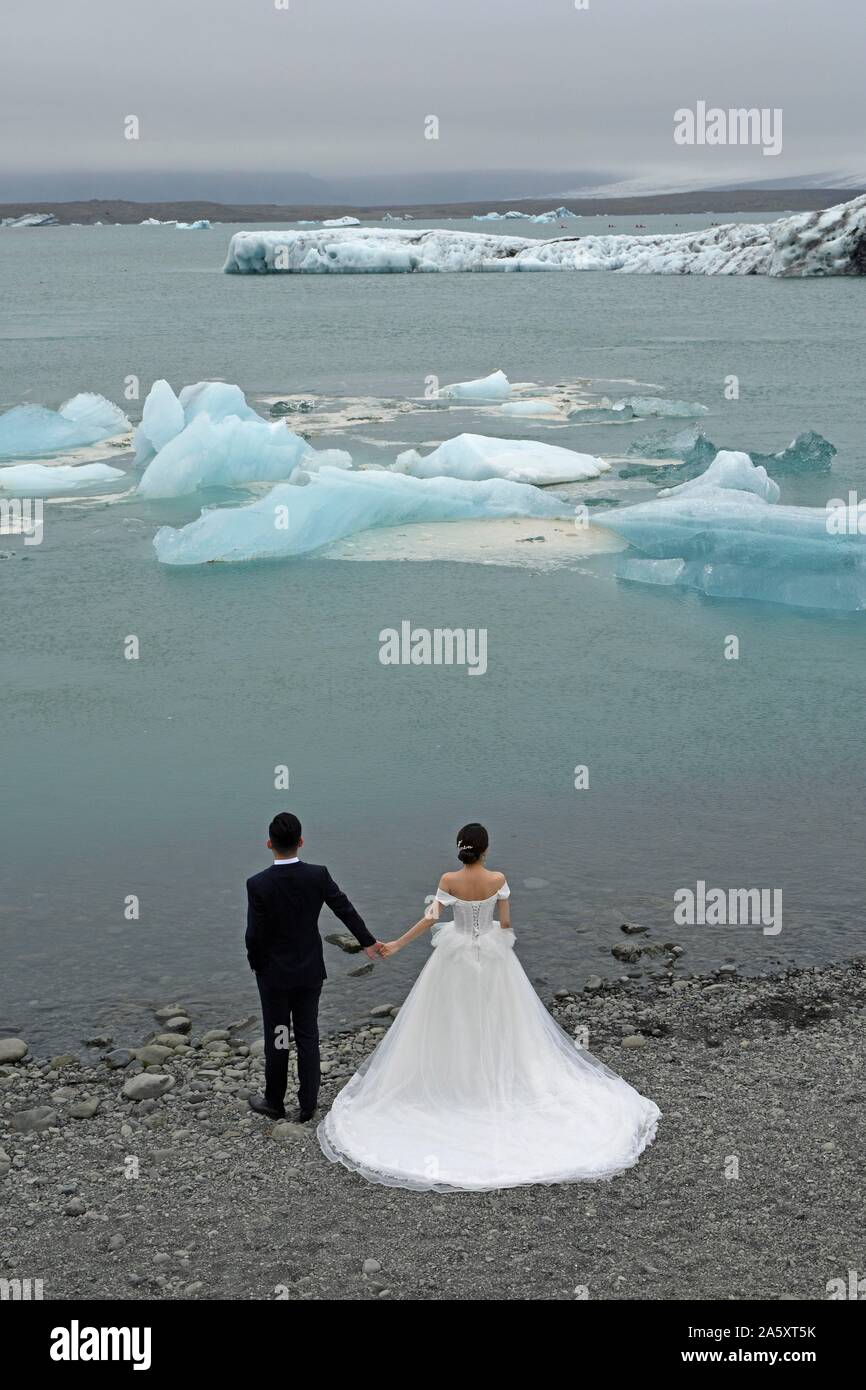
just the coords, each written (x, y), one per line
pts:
(285, 950)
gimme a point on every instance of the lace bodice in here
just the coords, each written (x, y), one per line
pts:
(473, 918)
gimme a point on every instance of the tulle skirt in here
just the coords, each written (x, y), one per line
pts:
(475, 1087)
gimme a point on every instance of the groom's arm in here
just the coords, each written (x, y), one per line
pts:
(255, 933)
(342, 908)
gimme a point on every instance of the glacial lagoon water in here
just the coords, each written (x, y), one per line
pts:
(155, 777)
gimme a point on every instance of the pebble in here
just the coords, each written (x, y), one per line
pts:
(371, 1266)
(634, 1040)
(75, 1207)
(179, 1023)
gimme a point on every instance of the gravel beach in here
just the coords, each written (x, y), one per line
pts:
(140, 1173)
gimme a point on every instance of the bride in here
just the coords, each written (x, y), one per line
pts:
(475, 1086)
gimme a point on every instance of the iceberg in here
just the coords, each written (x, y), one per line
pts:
(47, 480)
(201, 225)
(809, 453)
(636, 408)
(476, 456)
(831, 241)
(530, 407)
(495, 387)
(556, 215)
(725, 535)
(30, 219)
(165, 414)
(34, 431)
(292, 521)
(223, 453)
(209, 436)
(342, 222)
(510, 216)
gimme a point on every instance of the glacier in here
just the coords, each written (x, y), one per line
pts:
(495, 387)
(49, 480)
(293, 520)
(831, 241)
(725, 535)
(475, 457)
(34, 431)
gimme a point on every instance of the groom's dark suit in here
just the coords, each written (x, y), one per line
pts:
(285, 950)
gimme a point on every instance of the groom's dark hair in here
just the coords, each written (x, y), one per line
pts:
(284, 832)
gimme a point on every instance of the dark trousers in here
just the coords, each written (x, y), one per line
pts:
(295, 1010)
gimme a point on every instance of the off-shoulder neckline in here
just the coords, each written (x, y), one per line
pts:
(472, 901)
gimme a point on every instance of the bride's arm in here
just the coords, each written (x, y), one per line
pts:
(390, 948)
(505, 914)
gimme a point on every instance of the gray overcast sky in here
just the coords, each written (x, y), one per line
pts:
(336, 88)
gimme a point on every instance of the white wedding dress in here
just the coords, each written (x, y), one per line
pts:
(476, 1087)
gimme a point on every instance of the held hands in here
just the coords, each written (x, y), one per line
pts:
(377, 951)
(389, 948)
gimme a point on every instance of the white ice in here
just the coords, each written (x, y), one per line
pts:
(495, 387)
(827, 242)
(48, 480)
(34, 431)
(30, 219)
(477, 456)
(342, 222)
(294, 520)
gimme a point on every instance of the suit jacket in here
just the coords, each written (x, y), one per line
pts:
(284, 947)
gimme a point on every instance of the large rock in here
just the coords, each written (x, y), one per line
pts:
(13, 1049)
(215, 1035)
(170, 1040)
(178, 1023)
(84, 1109)
(153, 1054)
(345, 942)
(120, 1057)
(34, 1121)
(169, 1011)
(149, 1085)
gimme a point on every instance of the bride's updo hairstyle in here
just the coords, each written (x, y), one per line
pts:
(472, 841)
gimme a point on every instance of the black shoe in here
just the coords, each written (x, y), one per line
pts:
(262, 1107)
(303, 1116)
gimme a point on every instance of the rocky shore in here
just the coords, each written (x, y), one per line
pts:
(140, 1173)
